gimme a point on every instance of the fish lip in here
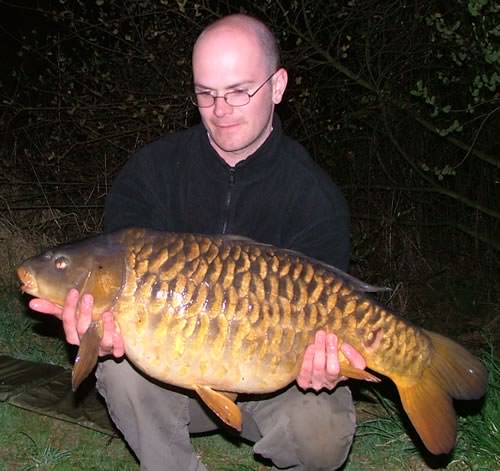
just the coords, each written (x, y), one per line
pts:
(28, 281)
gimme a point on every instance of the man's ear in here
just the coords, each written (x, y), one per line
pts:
(279, 82)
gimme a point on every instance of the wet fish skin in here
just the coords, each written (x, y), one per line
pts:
(228, 314)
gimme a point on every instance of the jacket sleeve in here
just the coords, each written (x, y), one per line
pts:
(133, 200)
(320, 224)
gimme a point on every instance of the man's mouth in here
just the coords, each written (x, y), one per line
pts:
(226, 125)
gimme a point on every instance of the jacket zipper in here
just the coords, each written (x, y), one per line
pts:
(229, 195)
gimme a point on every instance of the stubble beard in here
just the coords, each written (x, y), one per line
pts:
(238, 152)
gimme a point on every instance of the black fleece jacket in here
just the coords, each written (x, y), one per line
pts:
(278, 195)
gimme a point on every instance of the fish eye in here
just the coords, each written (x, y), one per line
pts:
(61, 263)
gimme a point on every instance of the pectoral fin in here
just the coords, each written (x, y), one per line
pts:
(87, 356)
(222, 404)
(346, 369)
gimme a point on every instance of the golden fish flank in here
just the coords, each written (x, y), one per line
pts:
(225, 315)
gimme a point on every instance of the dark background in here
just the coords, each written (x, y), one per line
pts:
(398, 101)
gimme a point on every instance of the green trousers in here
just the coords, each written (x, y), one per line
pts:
(295, 430)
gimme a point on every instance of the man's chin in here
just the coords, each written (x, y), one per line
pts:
(227, 145)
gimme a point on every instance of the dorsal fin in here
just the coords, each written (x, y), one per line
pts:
(352, 281)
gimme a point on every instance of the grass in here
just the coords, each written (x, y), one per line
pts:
(381, 440)
(31, 441)
(30, 336)
(479, 433)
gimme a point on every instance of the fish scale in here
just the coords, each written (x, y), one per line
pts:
(224, 315)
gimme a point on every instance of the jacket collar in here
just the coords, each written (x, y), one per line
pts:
(256, 166)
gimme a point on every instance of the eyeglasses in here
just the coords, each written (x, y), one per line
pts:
(234, 98)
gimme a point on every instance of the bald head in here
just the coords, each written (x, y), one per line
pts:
(238, 55)
(251, 28)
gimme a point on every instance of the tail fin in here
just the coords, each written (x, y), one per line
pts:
(87, 356)
(453, 373)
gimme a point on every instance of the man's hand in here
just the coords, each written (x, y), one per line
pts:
(320, 367)
(76, 325)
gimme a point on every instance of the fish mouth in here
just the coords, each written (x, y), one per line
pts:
(28, 281)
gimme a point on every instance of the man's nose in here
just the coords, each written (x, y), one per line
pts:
(221, 107)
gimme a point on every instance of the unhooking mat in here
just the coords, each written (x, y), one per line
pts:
(46, 389)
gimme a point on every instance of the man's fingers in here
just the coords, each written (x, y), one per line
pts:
(319, 361)
(45, 307)
(112, 341)
(84, 317)
(332, 357)
(69, 317)
(67, 314)
(321, 367)
(108, 327)
(304, 378)
(118, 345)
(354, 357)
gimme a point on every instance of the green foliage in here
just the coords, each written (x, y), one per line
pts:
(466, 51)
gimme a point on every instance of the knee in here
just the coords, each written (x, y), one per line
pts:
(117, 381)
(128, 393)
(323, 430)
(117, 384)
(153, 419)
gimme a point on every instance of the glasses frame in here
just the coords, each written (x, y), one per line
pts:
(194, 98)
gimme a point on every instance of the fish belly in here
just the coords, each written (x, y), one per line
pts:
(213, 353)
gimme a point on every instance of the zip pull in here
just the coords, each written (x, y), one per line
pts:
(229, 195)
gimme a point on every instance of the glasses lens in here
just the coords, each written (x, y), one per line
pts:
(237, 98)
(203, 100)
(206, 100)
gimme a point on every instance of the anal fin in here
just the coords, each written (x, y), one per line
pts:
(222, 404)
(346, 369)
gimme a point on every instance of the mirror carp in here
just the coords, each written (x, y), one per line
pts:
(223, 315)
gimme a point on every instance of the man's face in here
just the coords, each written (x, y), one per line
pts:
(228, 59)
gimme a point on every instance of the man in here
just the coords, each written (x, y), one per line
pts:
(237, 173)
